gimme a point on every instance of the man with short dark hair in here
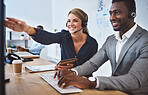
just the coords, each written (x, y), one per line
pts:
(127, 51)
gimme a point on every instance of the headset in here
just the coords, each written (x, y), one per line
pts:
(11, 56)
(132, 15)
(84, 24)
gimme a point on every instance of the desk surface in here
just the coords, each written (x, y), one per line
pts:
(33, 84)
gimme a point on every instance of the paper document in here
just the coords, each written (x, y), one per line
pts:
(53, 82)
(41, 68)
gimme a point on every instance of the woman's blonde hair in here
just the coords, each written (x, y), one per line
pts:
(83, 16)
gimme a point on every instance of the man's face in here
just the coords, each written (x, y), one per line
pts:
(119, 16)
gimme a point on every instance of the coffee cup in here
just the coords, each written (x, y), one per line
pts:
(8, 50)
(17, 66)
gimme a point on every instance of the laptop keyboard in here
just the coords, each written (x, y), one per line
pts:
(53, 82)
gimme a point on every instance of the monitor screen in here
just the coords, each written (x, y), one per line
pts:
(2, 48)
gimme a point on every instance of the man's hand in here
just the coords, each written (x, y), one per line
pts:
(63, 72)
(73, 80)
(19, 48)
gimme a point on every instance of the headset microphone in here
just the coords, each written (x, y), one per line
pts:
(78, 30)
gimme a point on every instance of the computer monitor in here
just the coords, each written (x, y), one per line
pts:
(2, 48)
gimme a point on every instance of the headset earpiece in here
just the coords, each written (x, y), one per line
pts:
(84, 24)
(132, 15)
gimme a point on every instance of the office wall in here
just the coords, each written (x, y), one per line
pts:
(142, 13)
(34, 12)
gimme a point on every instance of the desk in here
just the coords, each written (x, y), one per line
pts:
(33, 84)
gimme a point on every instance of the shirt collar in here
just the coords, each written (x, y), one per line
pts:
(127, 34)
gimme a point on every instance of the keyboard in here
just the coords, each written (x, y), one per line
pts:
(53, 82)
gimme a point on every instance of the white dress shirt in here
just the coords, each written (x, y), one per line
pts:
(121, 42)
(36, 48)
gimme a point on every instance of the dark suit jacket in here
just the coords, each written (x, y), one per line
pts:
(130, 73)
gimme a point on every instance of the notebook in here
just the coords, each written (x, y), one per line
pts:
(26, 55)
(40, 68)
(53, 82)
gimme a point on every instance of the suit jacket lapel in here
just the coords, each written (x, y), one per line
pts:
(128, 44)
(113, 56)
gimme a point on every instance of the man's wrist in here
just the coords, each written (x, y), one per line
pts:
(27, 50)
(92, 82)
(74, 72)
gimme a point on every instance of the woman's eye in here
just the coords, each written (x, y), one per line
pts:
(117, 12)
(76, 21)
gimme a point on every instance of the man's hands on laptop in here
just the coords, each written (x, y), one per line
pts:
(67, 77)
